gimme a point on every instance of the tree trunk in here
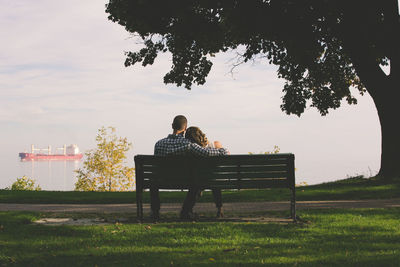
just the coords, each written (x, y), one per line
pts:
(388, 104)
(388, 107)
(384, 89)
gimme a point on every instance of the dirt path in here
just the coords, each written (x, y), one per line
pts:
(203, 207)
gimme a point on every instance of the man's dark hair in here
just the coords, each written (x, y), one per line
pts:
(179, 122)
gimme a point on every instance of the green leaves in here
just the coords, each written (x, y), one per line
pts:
(145, 55)
(25, 183)
(103, 168)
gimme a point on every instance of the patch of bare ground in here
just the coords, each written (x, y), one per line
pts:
(235, 212)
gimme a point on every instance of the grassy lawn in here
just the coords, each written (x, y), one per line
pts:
(348, 189)
(356, 237)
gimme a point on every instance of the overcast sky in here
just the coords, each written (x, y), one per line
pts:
(62, 77)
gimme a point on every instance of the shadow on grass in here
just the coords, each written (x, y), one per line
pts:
(332, 237)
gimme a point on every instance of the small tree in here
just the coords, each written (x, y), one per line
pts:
(103, 168)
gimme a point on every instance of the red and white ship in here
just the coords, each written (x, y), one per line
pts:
(70, 152)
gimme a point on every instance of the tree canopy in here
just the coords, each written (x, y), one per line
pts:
(322, 48)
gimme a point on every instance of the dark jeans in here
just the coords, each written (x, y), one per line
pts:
(188, 203)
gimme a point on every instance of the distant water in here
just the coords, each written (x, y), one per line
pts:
(50, 175)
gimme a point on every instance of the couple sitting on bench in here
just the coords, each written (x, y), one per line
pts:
(182, 141)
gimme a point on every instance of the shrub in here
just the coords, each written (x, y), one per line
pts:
(25, 183)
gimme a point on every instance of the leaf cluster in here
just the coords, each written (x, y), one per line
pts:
(25, 183)
(316, 44)
(104, 167)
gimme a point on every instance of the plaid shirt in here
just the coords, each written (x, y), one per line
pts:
(178, 145)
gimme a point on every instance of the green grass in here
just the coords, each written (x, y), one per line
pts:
(331, 237)
(348, 189)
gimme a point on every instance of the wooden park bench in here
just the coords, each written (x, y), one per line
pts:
(224, 172)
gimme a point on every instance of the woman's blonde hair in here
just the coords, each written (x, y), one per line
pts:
(195, 135)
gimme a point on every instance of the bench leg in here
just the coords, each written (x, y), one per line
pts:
(293, 205)
(139, 204)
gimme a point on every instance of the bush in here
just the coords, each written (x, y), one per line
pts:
(25, 183)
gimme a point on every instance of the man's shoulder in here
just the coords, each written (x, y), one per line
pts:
(161, 140)
(171, 145)
(161, 143)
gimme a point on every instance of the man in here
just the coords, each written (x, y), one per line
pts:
(177, 144)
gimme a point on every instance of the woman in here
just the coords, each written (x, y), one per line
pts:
(195, 135)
